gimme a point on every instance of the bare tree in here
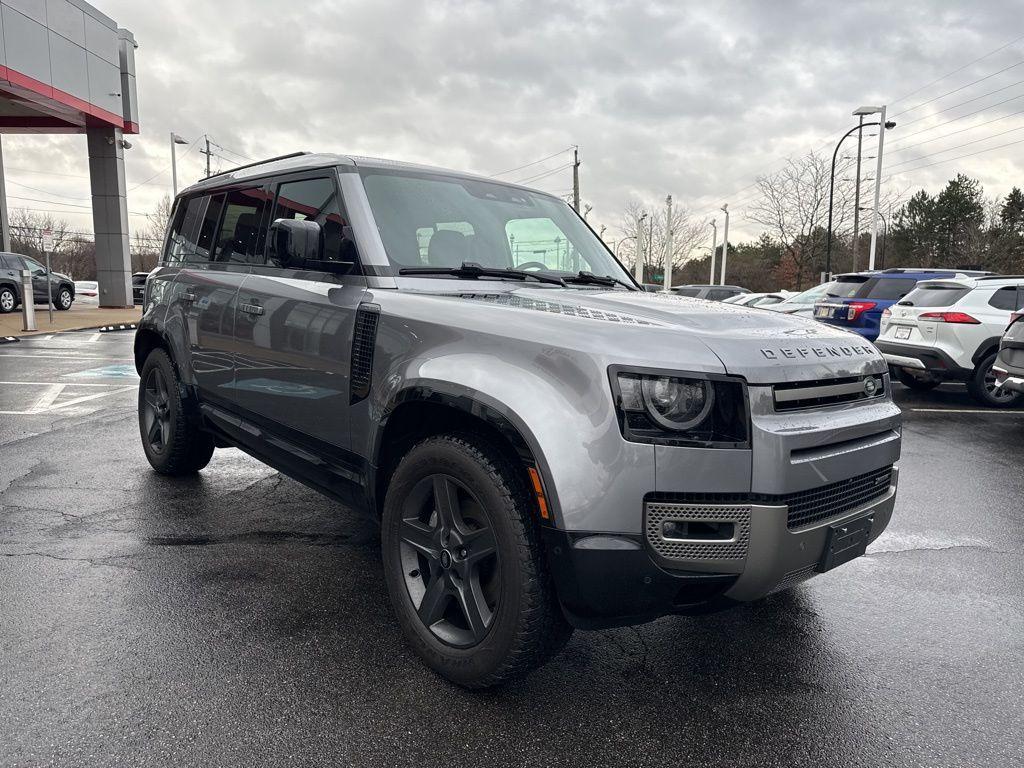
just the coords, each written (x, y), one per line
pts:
(647, 228)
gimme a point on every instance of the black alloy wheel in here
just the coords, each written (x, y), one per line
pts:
(450, 560)
(156, 411)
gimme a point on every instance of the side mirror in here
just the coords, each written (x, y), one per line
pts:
(296, 242)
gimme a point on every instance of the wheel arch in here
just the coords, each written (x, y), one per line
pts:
(146, 340)
(432, 408)
(986, 348)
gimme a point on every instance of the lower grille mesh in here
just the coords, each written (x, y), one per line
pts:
(656, 514)
(835, 499)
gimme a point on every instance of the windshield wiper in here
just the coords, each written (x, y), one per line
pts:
(589, 278)
(471, 270)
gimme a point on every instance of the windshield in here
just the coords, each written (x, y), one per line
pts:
(432, 220)
(811, 295)
(686, 291)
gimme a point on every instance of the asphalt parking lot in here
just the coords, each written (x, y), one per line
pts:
(238, 618)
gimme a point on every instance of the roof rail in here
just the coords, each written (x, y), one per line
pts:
(258, 162)
(1001, 277)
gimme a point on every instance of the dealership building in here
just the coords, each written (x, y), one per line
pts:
(65, 67)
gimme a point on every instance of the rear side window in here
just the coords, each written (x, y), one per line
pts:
(717, 294)
(847, 286)
(935, 296)
(192, 229)
(241, 236)
(686, 291)
(1010, 298)
(317, 200)
(886, 288)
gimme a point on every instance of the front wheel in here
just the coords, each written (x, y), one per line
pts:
(464, 564)
(983, 389)
(171, 437)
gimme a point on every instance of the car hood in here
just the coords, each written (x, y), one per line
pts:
(760, 345)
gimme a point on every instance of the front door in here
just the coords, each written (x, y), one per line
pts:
(293, 327)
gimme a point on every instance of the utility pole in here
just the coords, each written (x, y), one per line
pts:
(714, 248)
(207, 152)
(650, 238)
(575, 178)
(638, 268)
(5, 222)
(878, 189)
(725, 241)
(668, 243)
(856, 193)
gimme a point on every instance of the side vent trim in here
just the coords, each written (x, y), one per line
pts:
(364, 341)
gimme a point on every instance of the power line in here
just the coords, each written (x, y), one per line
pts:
(958, 157)
(954, 133)
(545, 173)
(960, 104)
(949, 149)
(957, 90)
(535, 162)
(956, 71)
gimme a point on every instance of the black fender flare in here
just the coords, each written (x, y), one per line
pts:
(474, 403)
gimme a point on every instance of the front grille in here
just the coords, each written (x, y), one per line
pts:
(656, 514)
(835, 499)
(818, 393)
(805, 507)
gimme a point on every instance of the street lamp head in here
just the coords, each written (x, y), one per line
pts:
(866, 111)
(725, 207)
(890, 124)
(177, 139)
(643, 216)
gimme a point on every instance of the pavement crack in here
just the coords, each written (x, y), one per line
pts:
(96, 561)
(977, 547)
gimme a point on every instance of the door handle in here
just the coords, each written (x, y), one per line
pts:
(188, 296)
(251, 309)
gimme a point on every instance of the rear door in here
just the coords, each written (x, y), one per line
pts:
(902, 321)
(293, 327)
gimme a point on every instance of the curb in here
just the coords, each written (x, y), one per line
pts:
(8, 339)
(118, 327)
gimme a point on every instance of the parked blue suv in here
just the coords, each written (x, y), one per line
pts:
(857, 300)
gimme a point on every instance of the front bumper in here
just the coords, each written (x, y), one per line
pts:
(615, 579)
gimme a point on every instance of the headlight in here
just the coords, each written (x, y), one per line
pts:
(701, 410)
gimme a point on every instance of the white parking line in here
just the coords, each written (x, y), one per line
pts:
(62, 357)
(95, 337)
(989, 411)
(53, 384)
(46, 401)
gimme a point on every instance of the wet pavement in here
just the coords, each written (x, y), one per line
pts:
(238, 618)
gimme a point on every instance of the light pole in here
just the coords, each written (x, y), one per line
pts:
(668, 243)
(586, 210)
(714, 248)
(175, 139)
(638, 268)
(889, 124)
(725, 241)
(878, 188)
(885, 233)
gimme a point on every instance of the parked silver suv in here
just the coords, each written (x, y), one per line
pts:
(546, 445)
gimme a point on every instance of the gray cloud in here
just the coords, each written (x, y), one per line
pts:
(692, 99)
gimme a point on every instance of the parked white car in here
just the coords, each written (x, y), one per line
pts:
(949, 330)
(87, 291)
(802, 303)
(759, 299)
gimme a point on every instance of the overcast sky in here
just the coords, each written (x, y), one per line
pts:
(693, 99)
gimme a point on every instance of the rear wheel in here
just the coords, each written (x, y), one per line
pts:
(982, 386)
(920, 382)
(464, 564)
(170, 432)
(8, 301)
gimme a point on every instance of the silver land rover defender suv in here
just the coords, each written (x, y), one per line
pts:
(545, 445)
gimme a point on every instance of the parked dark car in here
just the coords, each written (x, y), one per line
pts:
(1009, 367)
(709, 292)
(61, 287)
(857, 300)
(139, 287)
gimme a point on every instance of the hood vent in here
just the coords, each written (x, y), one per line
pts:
(364, 341)
(557, 308)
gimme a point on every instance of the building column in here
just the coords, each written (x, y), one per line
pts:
(110, 217)
(5, 221)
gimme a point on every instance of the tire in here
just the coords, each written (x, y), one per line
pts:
(982, 386)
(171, 437)
(482, 544)
(8, 300)
(919, 382)
(64, 299)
